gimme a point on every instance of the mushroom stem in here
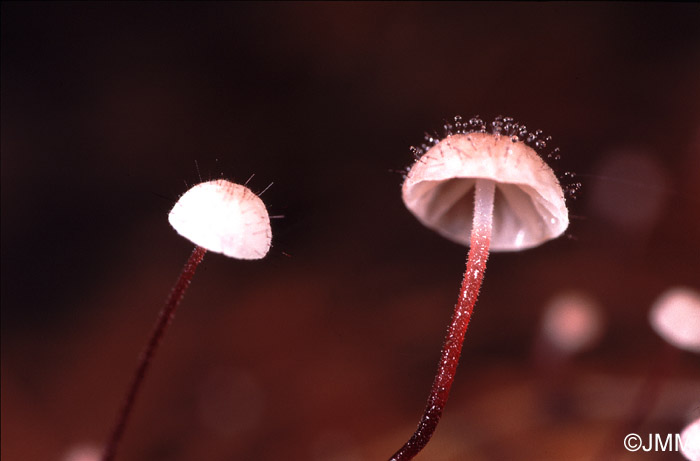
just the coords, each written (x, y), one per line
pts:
(452, 348)
(164, 319)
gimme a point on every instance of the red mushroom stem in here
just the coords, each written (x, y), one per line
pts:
(452, 348)
(164, 319)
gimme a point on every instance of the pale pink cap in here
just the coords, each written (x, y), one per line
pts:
(675, 316)
(529, 206)
(223, 217)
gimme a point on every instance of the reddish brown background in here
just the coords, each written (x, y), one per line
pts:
(325, 350)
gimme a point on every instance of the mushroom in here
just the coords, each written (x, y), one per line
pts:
(490, 191)
(572, 322)
(218, 216)
(223, 217)
(675, 316)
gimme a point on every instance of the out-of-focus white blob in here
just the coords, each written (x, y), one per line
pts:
(690, 441)
(84, 452)
(675, 316)
(223, 217)
(629, 190)
(572, 322)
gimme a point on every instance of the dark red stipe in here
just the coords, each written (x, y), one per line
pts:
(452, 348)
(164, 319)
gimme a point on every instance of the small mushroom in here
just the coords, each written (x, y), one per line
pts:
(223, 217)
(571, 322)
(490, 191)
(527, 199)
(218, 216)
(675, 316)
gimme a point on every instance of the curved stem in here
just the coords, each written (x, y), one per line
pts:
(452, 348)
(164, 319)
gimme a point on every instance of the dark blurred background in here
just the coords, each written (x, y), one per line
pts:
(325, 350)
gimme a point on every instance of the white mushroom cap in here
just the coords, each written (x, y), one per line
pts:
(223, 217)
(675, 316)
(529, 206)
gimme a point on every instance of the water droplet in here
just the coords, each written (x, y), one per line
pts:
(522, 132)
(416, 152)
(447, 127)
